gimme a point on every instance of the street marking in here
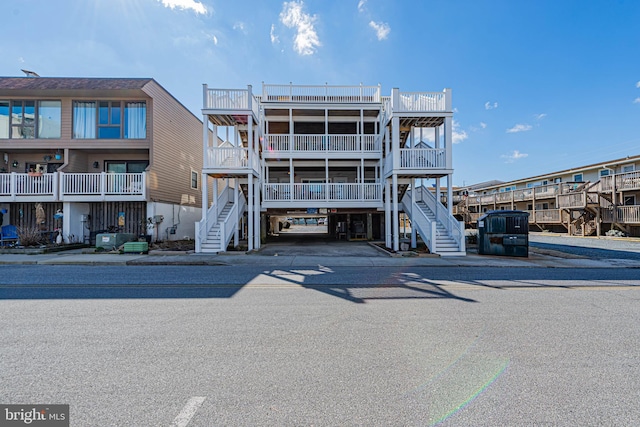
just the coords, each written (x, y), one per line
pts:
(187, 412)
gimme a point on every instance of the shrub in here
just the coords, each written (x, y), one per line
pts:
(31, 236)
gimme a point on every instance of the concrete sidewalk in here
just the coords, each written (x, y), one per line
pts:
(535, 259)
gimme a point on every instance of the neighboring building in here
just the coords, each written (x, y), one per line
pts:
(343, 152)
(587, 200)
(110, 154)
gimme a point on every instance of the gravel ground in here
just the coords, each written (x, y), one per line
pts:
(589, 247)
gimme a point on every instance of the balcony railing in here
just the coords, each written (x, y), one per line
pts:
(624, 181)
(421, 102)
(423, 158)
(547, 216)
(65, 186)
(322, 192)
(622, 214)
(311, 94)
(328, 143)
(230, 99)
(230, 158)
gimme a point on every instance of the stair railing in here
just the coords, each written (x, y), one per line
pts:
(230, 221)
(425, 226)
(454, 227)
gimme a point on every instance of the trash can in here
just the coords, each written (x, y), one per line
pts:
(504, 233)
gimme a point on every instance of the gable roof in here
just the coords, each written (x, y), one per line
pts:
(71, 83)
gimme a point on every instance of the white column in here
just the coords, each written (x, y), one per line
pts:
(448, 125)
(396, 222)
(256, 217)
(250, 202)
(387, 213)
(205, 140)
(450, 194)
(438, 195)
(414, 237)
(236, 201)
(250, 141)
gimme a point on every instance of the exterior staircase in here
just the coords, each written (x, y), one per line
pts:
(442, 233)
(215, 231)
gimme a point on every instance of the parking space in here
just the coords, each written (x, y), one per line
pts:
(316, 243)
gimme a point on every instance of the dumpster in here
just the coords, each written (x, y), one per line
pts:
(504, 233)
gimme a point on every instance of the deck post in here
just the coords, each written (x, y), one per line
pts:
(396, 222)
(387, 213)
(250, 212)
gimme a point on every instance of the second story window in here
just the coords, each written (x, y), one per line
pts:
(109, 120)
(29, 119)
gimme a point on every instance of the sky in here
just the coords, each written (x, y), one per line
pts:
(537, 86)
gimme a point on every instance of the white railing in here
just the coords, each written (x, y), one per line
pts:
(421, 101)
(301, 93)
(424, 225)
(622, 214)
(423, 158)
(319, 143)
(213, 213)
(624, 181)
(322, 192)
(550, 216)
(230, 99)
(454, 227)
(24, 184)
(102, 183)
(230, 158)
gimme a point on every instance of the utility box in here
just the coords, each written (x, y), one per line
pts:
(136, 248)
(504, 233)
(111, 241)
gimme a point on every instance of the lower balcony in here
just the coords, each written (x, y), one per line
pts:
(322, 195)
(72, 187)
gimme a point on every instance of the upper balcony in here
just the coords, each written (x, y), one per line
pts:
(230, 106)
(417, 162)
(230, 161)
(623, 182)
(320, 94)
(320, 146)
(73, 187)
(322, 195)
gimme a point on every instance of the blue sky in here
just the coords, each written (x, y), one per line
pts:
(537, 86)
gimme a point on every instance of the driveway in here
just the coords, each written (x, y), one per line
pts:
(309, 244)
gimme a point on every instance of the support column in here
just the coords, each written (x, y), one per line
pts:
(250, 201)
(256, 214)
(236, 201)
(387, 213)
(396, 222)
(450, 194)
(414, 237)
(438, 196)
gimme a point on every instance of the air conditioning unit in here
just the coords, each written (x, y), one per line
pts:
(41, 168)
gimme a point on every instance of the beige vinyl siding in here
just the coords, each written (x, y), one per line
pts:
(176, 149)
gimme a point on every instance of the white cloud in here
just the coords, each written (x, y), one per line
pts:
(214, 39)
(519, 128)
(515, 155)
(638, 85)
(361, 4)
(489, 106)
(540, 116)
(239, 26)
(458, 135)
(21, 60)
(306, 39)
(483, 125)
(194, 5)
(636, 101)
(382, 29)
(274, 38)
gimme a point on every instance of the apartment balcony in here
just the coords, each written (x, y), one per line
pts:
(72, 187)
(623, 182)
(230, 161)
(332, 195)
(622, 215)
(321, 146)
(230, 106)
(421, 102)
(417, 162)
(548, 216)
(320, 94)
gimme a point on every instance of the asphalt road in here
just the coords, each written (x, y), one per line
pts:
(588, 247)
(209, 346)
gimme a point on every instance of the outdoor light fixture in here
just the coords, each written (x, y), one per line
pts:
(96, 165)
(6, 158)
(58, 155)
(47, 158)
(15, 164)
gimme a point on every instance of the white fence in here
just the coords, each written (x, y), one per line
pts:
(330, 143)
(622, 214)
(103, 183)
(230, 99)
(230, 158)
(338, 94)
(322, 192)
(624, 181)
(421, 101)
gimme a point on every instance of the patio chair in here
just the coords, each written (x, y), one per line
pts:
(8, 235)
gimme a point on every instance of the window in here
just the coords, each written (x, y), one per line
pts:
(628, 168)
(629, 201)
(124, 166)
(194, 179)
(109, 120)
(577, 177)
(605, 172)
(30, 119)
(557, 180)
